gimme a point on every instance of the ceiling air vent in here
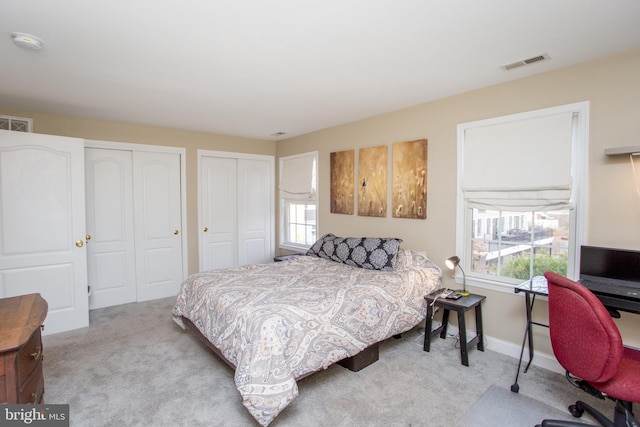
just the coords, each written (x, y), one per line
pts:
(17, 124)
(528, 61)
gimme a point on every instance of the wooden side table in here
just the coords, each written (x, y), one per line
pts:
(461, 306)
(286, 257)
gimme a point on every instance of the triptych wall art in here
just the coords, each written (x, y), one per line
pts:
(342, 167)
(408, 186)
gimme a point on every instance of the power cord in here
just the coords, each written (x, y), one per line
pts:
(443, 294)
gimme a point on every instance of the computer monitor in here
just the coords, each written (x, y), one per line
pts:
(611, 263)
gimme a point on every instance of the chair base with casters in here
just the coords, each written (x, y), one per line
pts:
(587, 343)
(622, 417)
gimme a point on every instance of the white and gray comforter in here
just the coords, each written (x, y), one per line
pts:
(279, 321)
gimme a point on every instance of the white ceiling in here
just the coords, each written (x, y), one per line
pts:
(255, 67)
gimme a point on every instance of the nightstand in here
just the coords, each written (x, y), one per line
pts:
(461, 306)
(286, 257)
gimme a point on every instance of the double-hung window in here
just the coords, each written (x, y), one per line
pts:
(522, 195)
(298, 201)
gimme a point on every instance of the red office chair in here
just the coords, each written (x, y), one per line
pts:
(587, 343)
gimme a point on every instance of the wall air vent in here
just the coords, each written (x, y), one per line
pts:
(528, 61)
(17, 124)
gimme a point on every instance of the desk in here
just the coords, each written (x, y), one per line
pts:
(530, 290)
(533, 288)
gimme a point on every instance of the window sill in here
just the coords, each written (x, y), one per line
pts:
(300, 249)
(507, 288)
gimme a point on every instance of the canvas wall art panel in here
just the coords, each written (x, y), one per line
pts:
(342, 186)
(409, 183)
(372, 181)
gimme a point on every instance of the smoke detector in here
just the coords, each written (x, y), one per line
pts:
(27, 41)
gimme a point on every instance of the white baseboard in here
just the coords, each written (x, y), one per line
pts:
(540, 359)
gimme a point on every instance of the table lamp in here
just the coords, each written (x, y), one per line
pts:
(451, 264)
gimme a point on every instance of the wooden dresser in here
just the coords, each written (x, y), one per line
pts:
(21, 378)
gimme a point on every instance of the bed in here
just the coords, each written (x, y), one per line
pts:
(278, 322)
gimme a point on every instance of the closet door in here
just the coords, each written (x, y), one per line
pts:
(110, 234)
(42, 224)
(158, 224)
(218, 198)
(255, 203)
(236, 203)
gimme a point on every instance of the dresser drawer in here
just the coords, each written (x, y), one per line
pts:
(29, 357)
(32, 391)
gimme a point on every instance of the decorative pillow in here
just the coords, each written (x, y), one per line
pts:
(316, 248)
(373, 253)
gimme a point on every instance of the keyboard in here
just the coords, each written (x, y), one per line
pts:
(615, 287)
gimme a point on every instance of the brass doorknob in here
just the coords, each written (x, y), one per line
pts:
(79, 243)
(206, 229)
(176, 232)
(88, 237)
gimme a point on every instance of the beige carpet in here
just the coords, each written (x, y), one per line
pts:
(133, 366)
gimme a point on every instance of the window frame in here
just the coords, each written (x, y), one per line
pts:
(284, 242)
(577, 208)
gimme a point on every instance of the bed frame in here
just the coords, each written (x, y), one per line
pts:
(354, 363)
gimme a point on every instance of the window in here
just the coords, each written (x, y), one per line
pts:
(301, 220)
(522, 195)
(521, 244)
(298, 201)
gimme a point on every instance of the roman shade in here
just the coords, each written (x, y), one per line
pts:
(296, 177)
(523, 165)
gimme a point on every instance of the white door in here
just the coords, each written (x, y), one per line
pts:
(42, 220)
(218, 213)
(158, 224)
(254, 207)
(110, 233)
(236, 202)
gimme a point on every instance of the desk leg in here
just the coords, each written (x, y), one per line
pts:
(527, 334)
(515, 387)
(530, 302)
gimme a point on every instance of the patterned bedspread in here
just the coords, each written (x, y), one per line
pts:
(276, 322)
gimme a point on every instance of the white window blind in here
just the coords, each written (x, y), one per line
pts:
(519, 166)
(297, 177)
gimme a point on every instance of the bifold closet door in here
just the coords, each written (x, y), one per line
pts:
(110, 230)
(236, 210)
(254, 212)
(218, 212)
(157, 224)
(42, 224)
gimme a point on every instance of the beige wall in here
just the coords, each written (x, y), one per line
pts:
(137, 134)
(612, 86)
